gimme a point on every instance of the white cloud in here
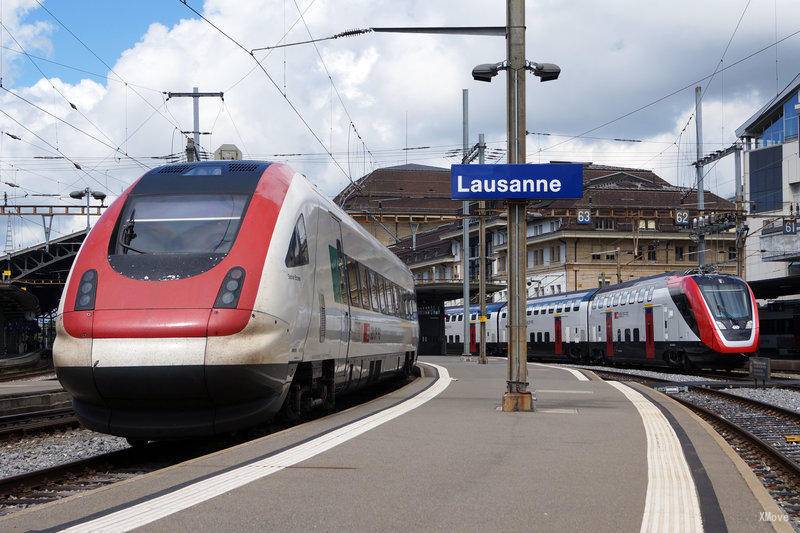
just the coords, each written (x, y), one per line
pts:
(615, 56)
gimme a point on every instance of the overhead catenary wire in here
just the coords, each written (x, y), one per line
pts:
(674, 92)
(274, 84)
(330, 78)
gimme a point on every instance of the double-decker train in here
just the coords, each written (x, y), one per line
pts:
(672, 319)
(210, 295)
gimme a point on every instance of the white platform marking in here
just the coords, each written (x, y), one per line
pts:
(671, 503)
(159, 507)
(578, 374)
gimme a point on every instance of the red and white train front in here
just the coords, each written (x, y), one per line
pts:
(157, 334)
(720, 310)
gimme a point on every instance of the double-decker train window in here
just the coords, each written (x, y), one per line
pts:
(546, 336)
(624, 299)
(632, 297)
(615, 300)
(619, 335)
(576, 305)
(297, 255)
(539, 336)
(635, 334)
(627, 335)
(650, 290)
(640, 295)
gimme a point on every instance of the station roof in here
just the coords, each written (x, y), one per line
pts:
(766, 289)
(42, 269)
(420, 189)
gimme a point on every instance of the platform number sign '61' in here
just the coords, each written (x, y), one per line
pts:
(789, 226)
(584, 216)
(681, 218)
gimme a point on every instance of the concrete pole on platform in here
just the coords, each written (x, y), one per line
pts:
(701, 199)
(482, 259)
(517, 396)
(465, 228)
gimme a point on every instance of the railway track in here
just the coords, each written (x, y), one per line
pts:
(54, 418)
(766, 436)
(56, 482)
(26, 374)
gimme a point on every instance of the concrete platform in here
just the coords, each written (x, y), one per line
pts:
(438, 455)
(17, 397)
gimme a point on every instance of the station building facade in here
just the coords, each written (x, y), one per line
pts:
(771, 182)
(631, 232)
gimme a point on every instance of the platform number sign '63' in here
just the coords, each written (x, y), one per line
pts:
(681, 218)
(584, 216)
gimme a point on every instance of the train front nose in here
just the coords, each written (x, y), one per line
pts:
(141, 386)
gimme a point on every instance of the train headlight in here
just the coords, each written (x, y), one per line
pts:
(749, 325)
(87, 291)
(228, 296)
(721, 325)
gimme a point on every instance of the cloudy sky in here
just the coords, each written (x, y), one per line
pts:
(397, 90)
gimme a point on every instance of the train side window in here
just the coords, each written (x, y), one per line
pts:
(615, 300)
(503, 315)
(624, 299)
(297, 255)
(535, 310)
(450, 339)
(619, 335)
(632, 297)
(635, 334)
(546, 336)
(529, 312)
(364, 286)
(539, 337)
(640, 295)
(576, 305)
(627, 335)
(353, 280)
(373, 291)
(650, 290)
(533, 338)
(608, 302)
(458, 339)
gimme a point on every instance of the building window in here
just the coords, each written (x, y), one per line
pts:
(651, 252)
(692, 255)
(558, 289)
(731, 253)
(649, 224)
(679, 253)
(555, 254)
(604, 223)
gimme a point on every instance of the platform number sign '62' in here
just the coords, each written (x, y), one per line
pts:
(681, 218)
(584, 216)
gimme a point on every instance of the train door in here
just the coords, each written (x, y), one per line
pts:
(609, 335)
(649, 334)
(559, 347)
(341, 291)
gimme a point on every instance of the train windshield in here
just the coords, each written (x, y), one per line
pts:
(726, 297)
(179, 224)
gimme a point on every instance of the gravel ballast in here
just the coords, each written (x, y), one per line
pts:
(36, 452)
(646, 373)
(786, 398)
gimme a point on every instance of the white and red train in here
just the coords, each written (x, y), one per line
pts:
(672, 319)
(210, 295)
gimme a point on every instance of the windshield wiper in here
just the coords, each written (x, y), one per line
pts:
(127, 235)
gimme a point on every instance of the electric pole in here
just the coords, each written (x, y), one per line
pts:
(517, 396)
(701, 200)
(195, 95)
(482, 259)
(740, 234)
(465, 228)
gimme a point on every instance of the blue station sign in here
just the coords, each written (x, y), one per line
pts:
(543, 181)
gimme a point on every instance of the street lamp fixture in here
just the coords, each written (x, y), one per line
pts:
(88, 194)
(544, 71)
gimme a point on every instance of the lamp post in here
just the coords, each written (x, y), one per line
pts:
(517, 396)
(88, 194)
